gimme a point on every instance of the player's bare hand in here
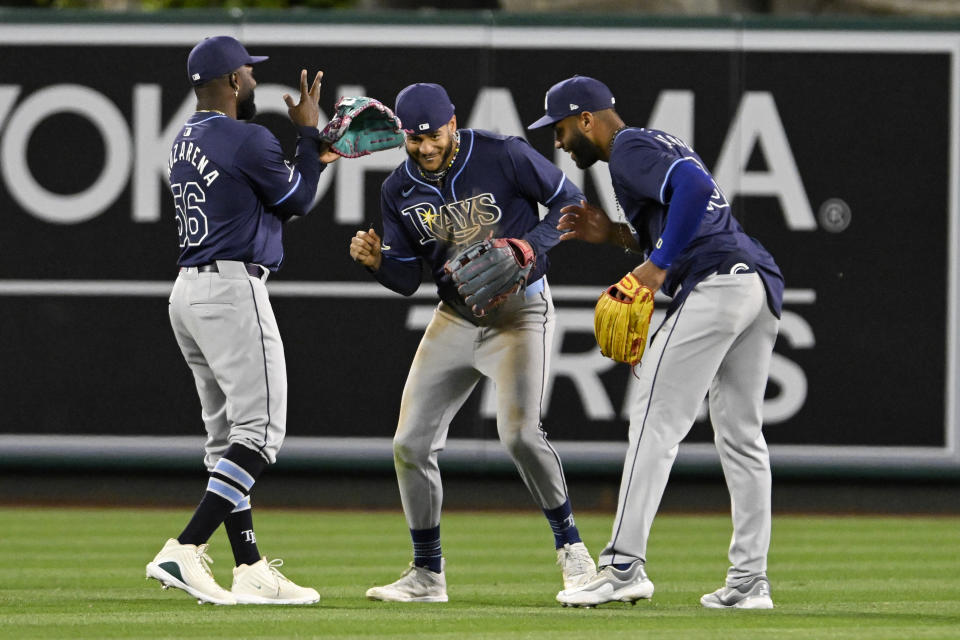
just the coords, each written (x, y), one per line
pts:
(305, 113)
(365, 248)
(585, 222)
(650, 275)
(327, 156)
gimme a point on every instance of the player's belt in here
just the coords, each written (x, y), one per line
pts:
(253, 269)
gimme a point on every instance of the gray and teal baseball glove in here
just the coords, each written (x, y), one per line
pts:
(360, 126)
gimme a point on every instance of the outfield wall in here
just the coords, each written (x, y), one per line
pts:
(836, 142)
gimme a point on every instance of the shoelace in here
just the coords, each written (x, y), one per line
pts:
(203, 559)
(409, 575)
(412, 573)
(581, 558)
(415, 576)
(272, 566)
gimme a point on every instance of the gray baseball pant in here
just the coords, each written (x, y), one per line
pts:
(719, 341)
(513, 348)
(227, 332)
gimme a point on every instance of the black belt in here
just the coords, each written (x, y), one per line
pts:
(253, 269)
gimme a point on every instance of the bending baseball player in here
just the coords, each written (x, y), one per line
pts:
(233, 191)
(717, 337)
(465, 202)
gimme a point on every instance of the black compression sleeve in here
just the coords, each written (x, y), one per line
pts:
(402, 276)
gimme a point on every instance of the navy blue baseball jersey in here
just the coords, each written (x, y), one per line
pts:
(641, 161)
(233, 189)
(492, 188)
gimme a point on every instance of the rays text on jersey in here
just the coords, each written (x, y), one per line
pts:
(457, 222)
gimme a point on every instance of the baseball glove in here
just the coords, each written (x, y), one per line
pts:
(361, 126)
(489, 271)
(621, 325)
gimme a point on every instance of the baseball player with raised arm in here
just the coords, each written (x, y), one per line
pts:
(233, 190)
(717, 337)
(458, 186)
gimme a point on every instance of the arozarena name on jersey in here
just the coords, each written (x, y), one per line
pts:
(189, 152)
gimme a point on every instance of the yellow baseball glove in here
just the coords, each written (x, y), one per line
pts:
(621, 325)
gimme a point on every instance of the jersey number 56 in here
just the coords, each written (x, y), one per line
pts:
(191, 221)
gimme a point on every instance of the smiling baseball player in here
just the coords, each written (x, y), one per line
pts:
(465, 202)
(718, 337)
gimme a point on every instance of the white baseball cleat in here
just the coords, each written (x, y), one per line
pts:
(262, 583)
(184, 566)
(576, 564)
(608, 585)
(416, 584)
(750, 594)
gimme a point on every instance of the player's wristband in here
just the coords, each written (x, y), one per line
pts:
(308, 133)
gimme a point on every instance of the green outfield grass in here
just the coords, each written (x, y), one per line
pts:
(78, 573)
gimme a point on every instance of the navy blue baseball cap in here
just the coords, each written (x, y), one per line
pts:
(423, 107)
(572, 96)
(217, 56)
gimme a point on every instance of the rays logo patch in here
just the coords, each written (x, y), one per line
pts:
(459, 222)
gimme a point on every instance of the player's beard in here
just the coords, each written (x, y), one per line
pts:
(583, 152)
(246, 108)
(445, 157)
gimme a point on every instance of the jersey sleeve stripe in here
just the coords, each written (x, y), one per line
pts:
(666, 177)
(289, 193)
(400, 258)
(557, 192)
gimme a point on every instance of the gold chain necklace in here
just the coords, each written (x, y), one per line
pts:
(211, 111)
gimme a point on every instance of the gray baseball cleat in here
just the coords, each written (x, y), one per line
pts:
(609, 585)
(416, 584)
(750, 594)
